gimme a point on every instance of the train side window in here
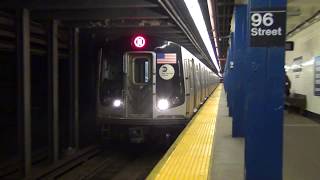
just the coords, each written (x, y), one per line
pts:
(141, 70)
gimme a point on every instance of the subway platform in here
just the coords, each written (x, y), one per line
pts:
(207, 150)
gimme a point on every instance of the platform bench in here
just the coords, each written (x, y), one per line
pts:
(298, 101)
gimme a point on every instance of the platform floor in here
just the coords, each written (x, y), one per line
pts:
(301, 156)
(190, 157)
(301, 148)
(228, 152)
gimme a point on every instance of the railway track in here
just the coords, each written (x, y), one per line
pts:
(112, 161)
(116, 162)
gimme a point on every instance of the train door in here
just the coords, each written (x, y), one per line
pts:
(205, 83)
(186, 84)
(201, 84)
(191, 86)
(208, 83)
(196, 85)
(198, 91)
(138, 84)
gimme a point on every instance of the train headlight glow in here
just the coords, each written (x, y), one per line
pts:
(117, 103)
(163, 104)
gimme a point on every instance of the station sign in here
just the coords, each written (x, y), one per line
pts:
(267, 28)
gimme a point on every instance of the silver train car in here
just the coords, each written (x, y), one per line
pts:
(149, 86)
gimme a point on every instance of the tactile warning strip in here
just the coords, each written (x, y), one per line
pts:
(190, 155)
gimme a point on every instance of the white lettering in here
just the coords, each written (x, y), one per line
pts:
(268, 19)
(266, 32)
(279, 31)
(256, 19)
(261, 31)
(274, 32)
(254, 32)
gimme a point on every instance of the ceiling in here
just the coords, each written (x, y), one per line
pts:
(299, 11)
(168, 19)
(222, 13)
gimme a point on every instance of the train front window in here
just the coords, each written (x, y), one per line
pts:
(141, 70)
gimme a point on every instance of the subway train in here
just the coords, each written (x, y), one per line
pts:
(149, 87)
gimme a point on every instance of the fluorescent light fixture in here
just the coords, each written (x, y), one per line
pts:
(308, 63)
(196, 14)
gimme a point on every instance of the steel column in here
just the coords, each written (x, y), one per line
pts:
(71, 92)
(74, 89)
(24, 86)
(53, 70)
(240, 70)
(75, 64)
(230, 95)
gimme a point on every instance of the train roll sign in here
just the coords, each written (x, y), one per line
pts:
(267, 28)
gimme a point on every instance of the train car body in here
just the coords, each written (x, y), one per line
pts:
(149, 82)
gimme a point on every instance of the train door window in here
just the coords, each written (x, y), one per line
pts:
(141, 70)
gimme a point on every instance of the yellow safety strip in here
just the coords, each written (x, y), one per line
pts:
(190, 155)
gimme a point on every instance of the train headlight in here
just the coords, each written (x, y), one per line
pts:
(117, 103)
(163, 104)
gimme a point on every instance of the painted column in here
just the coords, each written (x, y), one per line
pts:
(226, 76)
(264, 117)
(240, 69)
(231, 76)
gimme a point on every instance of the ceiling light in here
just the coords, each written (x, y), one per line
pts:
(196, 14)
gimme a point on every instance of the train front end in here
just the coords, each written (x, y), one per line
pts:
(141, 87)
